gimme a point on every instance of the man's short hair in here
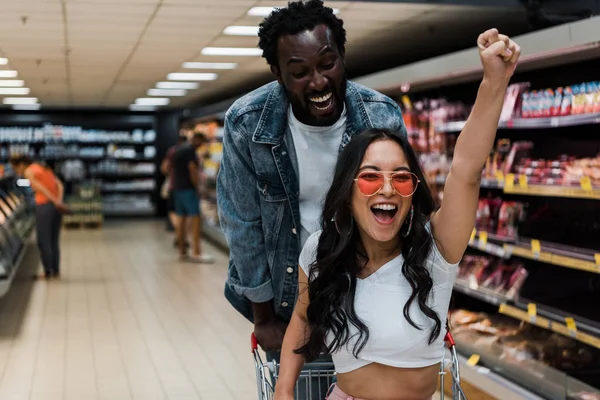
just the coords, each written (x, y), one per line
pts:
(298, 17)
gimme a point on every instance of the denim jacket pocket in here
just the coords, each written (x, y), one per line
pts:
(271, 192)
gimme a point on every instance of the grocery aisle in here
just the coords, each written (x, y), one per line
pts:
(126, 322)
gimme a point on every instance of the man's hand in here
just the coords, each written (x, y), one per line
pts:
(499, 55)
(270, 334)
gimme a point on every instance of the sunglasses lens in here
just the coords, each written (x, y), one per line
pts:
(404, 183)
(369, 183)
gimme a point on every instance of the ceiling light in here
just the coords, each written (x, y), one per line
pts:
(166, 92)
(231, 51)
(177, 85)
(7, 73)
(14, 91)
(152, 101)
(3, 61)
(26, 107)
(20, 100)
(11, 83)
(185, 76)
(209, 65)
(265, 11)
(241, 30)
(137, 107)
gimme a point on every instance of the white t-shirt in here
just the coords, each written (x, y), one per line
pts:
(379, 302)
(317, 149)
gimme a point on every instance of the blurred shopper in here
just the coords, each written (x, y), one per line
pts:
(49, 206)
(167, 190)
(280, 147)
(185, 188)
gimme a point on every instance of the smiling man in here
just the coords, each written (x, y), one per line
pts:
(280, 147)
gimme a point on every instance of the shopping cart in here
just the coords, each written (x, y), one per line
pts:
(267, 372)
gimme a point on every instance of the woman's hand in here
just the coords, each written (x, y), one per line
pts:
(499, 55)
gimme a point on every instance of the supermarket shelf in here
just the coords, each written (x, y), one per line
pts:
(578, 328)
(531, 123)
(480, 293)
(481, 243)
(576, 192)
(136, 212)
(533, 249)
(509, 378)
(553, 191)
(5, 283)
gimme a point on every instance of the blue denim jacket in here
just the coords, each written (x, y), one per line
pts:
(258, 190)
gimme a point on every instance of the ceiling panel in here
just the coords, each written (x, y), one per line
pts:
(138, 42)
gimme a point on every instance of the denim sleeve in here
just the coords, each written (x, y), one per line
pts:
(238, 204)
(400, 121)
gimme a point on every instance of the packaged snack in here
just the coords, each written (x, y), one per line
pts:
(590, 89)
(556, 102)
(566, 106)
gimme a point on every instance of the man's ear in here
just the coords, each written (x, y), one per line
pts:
(275, 70)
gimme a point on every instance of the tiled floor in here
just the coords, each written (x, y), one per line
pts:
(126, 322)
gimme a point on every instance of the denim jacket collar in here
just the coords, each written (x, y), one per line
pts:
(272, 124)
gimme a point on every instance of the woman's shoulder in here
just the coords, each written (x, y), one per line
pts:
(308, 255)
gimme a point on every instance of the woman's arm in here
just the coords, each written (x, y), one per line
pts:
(61, 189)
(38, 187)
(296, 336)
(453, 222)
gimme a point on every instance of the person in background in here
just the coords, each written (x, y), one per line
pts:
(166, 169)
(185, 188)
(280, 146)
(49, 206)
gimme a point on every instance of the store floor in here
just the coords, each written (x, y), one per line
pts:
(126, 322)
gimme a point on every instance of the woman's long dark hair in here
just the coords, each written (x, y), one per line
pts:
(339, 258)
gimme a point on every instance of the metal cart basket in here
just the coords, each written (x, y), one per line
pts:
(267, 372)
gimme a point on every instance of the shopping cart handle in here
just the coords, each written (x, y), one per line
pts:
(253, 342)
(449, 339)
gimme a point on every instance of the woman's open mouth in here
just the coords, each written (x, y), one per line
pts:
(384, 213)
(322, 104)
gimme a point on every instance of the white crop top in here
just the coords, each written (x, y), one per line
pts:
(379, 303)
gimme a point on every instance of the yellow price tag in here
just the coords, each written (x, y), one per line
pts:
(483, 237)
(523, 181)
(500, 177)
(532, 312)
(571, 326)
(509, 182)
(473, 235)
(586, 183)
(502, 308)
(597, 257)
(473, 360)
(536, 247)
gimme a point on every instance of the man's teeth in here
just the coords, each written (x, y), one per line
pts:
(384, 207)
(321, 99)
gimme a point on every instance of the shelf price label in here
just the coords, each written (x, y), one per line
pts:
(586, 183)
(523, 181)
(509, 182)
(536, 248)
(483, 238)
(473, 360)
(571, 326)
(597, 258)
(472, 239)
(500, 177)
(532, 312)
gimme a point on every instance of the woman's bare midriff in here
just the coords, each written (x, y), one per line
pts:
(382, 382)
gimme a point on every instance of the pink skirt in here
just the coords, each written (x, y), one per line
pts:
(335, 393)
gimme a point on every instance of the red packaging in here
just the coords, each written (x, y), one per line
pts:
(567, 101)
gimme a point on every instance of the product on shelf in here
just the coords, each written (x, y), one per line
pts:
(502, 277)
(498, 216)
(582, 98)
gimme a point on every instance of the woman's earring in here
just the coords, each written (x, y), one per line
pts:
(410, 221)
